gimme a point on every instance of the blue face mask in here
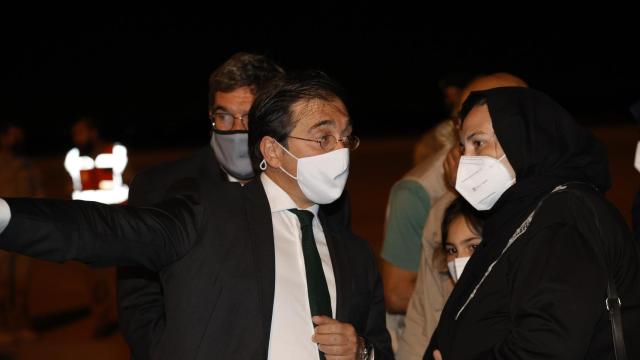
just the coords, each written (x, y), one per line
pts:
(232, 151)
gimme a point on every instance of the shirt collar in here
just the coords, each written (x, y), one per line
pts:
(279, 200)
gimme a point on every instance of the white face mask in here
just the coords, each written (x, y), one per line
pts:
(481, 180)
(457, 266)
(322, 177)
(636, 163)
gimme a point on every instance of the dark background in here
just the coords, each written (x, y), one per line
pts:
(145, 74)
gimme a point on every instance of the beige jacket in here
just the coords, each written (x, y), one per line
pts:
(433, 287)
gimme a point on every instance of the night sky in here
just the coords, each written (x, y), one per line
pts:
(145, 75)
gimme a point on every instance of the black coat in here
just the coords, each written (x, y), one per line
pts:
(141, 313)
(213, 249)
(544, 299)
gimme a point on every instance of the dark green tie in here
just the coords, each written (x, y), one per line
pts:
(319, 299)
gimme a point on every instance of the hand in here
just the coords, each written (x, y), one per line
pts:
(437, 355)
(337, 340)
(450, 166)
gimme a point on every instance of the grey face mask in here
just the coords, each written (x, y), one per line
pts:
(232, 151)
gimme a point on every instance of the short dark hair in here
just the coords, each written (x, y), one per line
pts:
(243, 69)
(460, 207)
(271, 113)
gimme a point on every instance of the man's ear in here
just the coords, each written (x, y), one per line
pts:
(271, 151)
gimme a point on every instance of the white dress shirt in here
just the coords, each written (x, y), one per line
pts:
(5, 214)
(291, 326)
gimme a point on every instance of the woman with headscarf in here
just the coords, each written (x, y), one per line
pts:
(536, 286)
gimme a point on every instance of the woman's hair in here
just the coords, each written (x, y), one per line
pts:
(460, 207)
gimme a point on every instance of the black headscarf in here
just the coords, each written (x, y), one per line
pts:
(546, 148)
(543, 144)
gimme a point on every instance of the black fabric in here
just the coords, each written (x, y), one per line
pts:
(141, 313)
(613, 302)
(546, 148)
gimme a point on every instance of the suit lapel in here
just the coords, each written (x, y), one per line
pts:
(261, 233)
(341, 269)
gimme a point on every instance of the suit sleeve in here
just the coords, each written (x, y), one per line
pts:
(140, 295)
(103, 235)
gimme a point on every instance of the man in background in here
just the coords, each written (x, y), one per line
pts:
(18, 178)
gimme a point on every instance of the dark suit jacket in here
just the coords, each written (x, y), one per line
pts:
(140, 295)
(213, 249)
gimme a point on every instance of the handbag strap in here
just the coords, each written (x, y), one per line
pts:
(612, 303)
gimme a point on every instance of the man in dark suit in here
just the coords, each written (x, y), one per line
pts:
(232, 89)
(247, 272)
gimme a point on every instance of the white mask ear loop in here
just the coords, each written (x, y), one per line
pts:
(293, 156)
(286, 172)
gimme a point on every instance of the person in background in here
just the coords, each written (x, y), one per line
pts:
(95, 166)
(410, 200)
(461, 234)
(18, 178)
(452, 89)
(233, 87)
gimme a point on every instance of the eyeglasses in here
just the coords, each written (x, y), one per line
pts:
(329, 142)
(224, 120)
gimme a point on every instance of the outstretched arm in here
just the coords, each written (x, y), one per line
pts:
(101, 235)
